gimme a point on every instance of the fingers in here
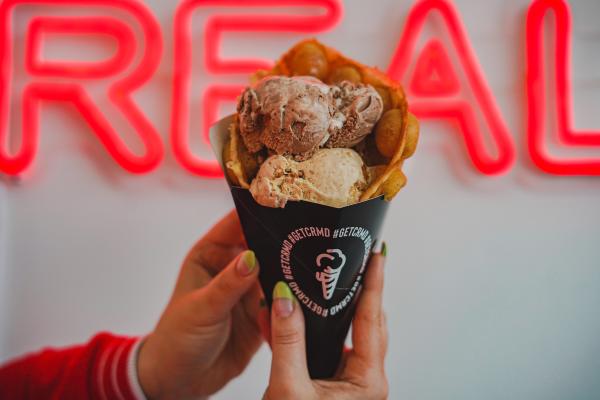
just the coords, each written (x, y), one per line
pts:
(245, 336)
(264, 322)
(384, 341)
(228, 230)
(287, 337)
(251, 303)
(368, 332)
(213, 302)
(219, 245)
(249, 312)
(210, 255)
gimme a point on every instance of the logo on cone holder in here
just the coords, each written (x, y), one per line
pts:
(329, 276)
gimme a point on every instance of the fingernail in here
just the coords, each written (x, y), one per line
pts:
(384, 249)
(246, 263)
(283, 300)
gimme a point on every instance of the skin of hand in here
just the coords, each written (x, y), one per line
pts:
(208, 332)
(361, 374)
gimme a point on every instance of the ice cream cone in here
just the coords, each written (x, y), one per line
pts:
(312, 165)
(396, 135)
(321, 252)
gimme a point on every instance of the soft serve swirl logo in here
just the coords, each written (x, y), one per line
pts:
(329, 276)
(323, 266)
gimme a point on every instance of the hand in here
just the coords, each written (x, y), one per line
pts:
(361, 375)
(207, 333)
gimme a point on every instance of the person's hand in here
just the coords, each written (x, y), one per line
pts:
(208, 332)
(361, 375)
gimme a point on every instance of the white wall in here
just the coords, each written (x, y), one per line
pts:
(492, 285)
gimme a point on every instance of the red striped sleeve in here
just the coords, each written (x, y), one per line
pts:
(102, 369)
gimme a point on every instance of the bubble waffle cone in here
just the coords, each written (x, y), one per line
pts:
(233, 157)
(394, 137)
(319, 250)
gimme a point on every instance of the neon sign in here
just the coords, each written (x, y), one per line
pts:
(434, 91)
(216, 25)
(45, 86)
(567, 136)
(433, 85)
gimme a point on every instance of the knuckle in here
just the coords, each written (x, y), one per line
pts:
(376, 385)
(368, 317)
(287, 337)
(224, 285)
(384, 340)
(237, 370)
(383, 389)
(283, 392)
(198, 256)
(378, 389)
(209, 300)
(383, 320)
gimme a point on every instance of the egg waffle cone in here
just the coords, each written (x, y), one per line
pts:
(394, 138)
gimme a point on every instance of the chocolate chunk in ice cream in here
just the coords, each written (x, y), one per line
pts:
(295, 116)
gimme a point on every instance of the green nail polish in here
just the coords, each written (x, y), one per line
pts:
(282, 291)
(383, 249)
(250, 260)
(283, 300)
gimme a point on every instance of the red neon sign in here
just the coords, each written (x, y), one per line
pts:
(108, 26)
(567, 136)
(437, 96)
(433, 74)
(216, 25)
(433, 84)
(42, 87)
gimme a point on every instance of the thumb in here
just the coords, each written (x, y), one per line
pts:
(287, 338)
(214, 301)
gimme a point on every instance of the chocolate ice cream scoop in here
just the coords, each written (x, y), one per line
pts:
(290, 116)
(361, 107)
(295, 116)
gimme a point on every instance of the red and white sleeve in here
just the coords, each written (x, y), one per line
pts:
(104, 368)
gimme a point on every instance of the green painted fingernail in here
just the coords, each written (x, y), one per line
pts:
(383, 249)
(247, 263)
(283, 300)
(282, 291)
(250, 259)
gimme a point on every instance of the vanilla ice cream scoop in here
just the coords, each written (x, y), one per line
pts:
(333, 177)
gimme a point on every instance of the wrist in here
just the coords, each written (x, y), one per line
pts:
(133, 379)
(146, 369)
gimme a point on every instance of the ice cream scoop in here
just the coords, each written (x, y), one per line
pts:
(360, 106)
(290, 116)
(295, 116)
(334, 177)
